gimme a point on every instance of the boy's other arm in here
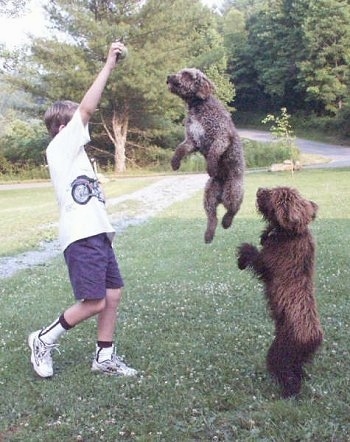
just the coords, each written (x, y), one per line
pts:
(92, 97)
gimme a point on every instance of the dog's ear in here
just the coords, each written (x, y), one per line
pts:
(206, 87)
(293, 212)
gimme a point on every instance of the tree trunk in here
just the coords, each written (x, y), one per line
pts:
(117, 135)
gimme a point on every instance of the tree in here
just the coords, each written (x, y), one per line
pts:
(162, 36)
(240, 66)
(296, 51)
(12, 8)
(325, 69)
(275, 40)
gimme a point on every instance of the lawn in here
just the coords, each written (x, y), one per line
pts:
(29, 216)
(197, 329)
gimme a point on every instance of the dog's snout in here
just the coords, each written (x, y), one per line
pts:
(170, 78)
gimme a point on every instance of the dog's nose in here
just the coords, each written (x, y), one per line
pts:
(170, 78)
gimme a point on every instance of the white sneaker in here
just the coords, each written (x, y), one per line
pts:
(114, 366)
(41, 355)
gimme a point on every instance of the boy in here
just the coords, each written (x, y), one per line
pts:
(85, 232)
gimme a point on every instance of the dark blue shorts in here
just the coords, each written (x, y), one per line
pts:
(92, 267)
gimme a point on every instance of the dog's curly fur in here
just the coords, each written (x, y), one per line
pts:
(285, 264)
(210, 131)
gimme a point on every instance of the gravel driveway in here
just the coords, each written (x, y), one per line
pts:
(150, 201)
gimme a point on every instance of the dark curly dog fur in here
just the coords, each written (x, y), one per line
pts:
(210, 131)
(285, 264)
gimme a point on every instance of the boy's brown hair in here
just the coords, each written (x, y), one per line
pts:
(59, 114)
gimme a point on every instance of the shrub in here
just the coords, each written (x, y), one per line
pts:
(24, 142)
(5, 166)
(156, 159)
(261, 154)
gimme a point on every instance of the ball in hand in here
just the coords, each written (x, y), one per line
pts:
(123, 54)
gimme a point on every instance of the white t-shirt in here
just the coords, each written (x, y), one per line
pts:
(80, 198)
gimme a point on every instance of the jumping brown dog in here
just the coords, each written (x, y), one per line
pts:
(210, 131)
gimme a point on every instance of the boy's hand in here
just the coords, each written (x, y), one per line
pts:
(117, 52)
(92, 97)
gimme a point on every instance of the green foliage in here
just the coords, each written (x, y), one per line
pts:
(281, 127)
(24, 142)
(24, 172)
(257, 154)
(12, 8)
(324, 70)
(289, 53)
(261, 154)
(5, 166)
(161, 36)
(152, 158)
(194, 325)
(156, 159)
(261, 54)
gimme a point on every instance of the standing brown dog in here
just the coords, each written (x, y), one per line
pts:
(210, 131)
(286, 266)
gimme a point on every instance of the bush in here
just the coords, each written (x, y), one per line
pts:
(156, 159)
(24, 142)
(24, 172)
(5, 166)
(258, 154)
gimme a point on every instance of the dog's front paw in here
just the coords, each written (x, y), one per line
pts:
(245, 254)
(175, 162)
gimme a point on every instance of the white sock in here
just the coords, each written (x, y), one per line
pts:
(52, 333)
(104, 353)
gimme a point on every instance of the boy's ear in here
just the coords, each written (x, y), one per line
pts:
(61, 127)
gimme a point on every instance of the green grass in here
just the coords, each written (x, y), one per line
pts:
(29, 216)
(197, 329)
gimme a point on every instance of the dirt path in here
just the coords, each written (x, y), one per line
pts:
(149, 201)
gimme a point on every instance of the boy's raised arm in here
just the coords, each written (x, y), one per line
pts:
(92, 97)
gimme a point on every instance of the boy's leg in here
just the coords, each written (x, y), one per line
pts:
(106, 360)
(84, 310)
(42, 342)
(107, 318)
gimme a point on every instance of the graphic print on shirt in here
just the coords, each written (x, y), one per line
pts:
(84, 188)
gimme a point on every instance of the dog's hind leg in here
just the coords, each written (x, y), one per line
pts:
(283, 366)
(212, 198)
(232, 197)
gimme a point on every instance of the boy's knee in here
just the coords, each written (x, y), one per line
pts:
(96, 306)
(114, 295)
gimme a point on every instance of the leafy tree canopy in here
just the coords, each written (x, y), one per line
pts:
(162, 37)
(12, 8)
